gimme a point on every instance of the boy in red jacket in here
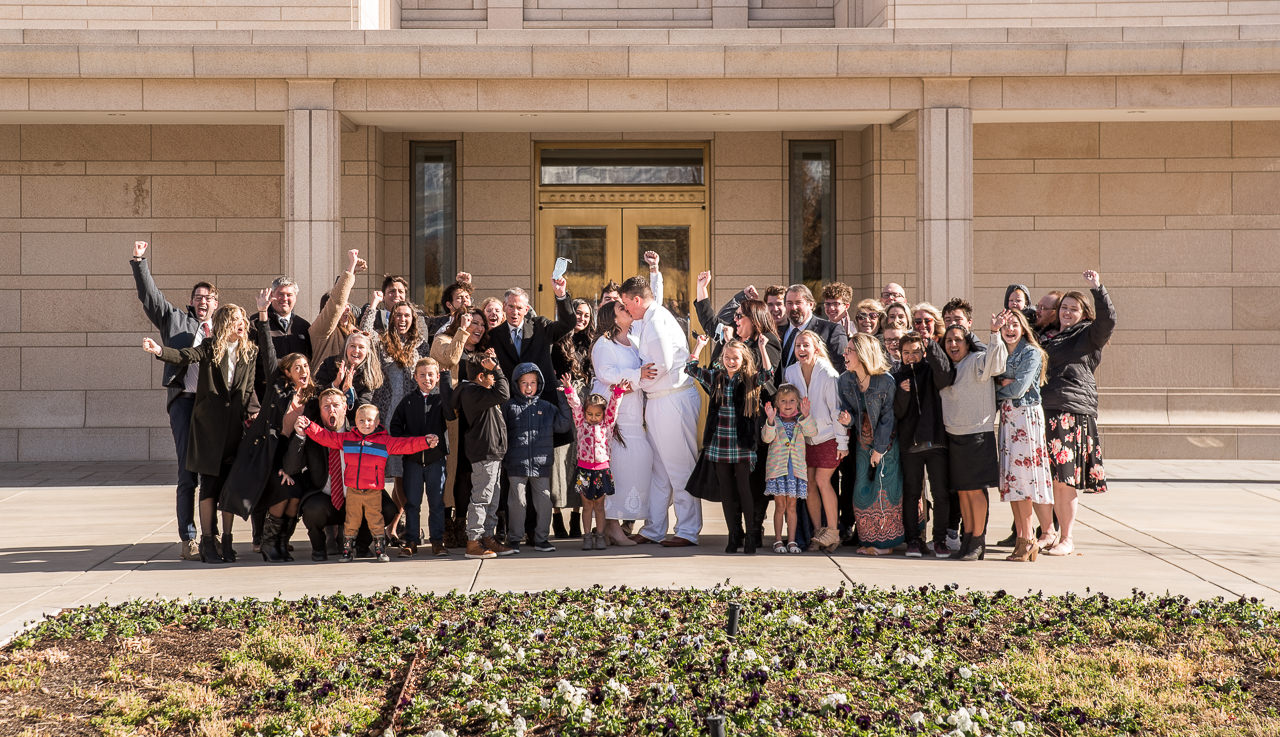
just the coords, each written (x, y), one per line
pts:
(364, 459)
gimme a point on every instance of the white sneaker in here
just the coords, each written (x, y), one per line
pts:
(953, 540)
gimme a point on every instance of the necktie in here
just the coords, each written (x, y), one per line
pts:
(515, 339)
(284, 324)
(204, 329)
(788, 354)
(337, 491)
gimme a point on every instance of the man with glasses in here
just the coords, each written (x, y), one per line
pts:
(892, 292)
(836, 298)
(184, 328)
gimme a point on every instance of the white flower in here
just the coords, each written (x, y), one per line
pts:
(502, 707)
(1019, 726)
(487, 665)
(466, 679)
(518, 724)
(559, 616)
(588, 715)
(926, 655)
(544, 703)
(505, 648)
(917, 718)
(614, 685)
(965, 672)
(573, 652)
(898, 610)
(473, 704)
(795, 620)
(437, 733)
(830, 701)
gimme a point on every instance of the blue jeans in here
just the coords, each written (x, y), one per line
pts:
(416, 479)
(180, 424)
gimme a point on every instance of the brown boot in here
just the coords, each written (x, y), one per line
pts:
(439, 550)
(1025, 551)
(477, 550)
(492, 545)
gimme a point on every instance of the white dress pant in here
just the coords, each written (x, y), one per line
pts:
(672, 427)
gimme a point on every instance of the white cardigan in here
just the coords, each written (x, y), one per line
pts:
(824, 401)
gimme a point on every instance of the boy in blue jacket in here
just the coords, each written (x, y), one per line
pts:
(424, 412)
(531, 425)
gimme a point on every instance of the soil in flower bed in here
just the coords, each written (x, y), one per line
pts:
(853, 661)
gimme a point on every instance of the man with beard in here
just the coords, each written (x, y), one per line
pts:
(799, 303)
(320, 471)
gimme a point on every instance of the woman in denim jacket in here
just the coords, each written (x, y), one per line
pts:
(866, 404)
(1025, 478)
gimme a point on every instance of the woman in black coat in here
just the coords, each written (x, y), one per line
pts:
(1070, 400)
(229, 366)
(257, 479)
(357, 373)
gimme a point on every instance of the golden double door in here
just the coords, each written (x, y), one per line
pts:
(608, 243)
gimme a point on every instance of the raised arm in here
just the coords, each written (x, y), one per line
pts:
(1104, 323)
(154, 305)
(326, 323)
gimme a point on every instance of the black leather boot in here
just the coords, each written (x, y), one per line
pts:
(286, 534)
(348, 550)
(269, 544)
(228, 551)
(557, 525)
(209, 550)
(966, 542)
(575, 523)
(977, 547)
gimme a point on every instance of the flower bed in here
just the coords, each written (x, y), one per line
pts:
(852, 661)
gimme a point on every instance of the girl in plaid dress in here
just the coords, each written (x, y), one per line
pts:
(733, 427)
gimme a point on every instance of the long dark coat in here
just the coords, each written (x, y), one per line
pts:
(217, 420)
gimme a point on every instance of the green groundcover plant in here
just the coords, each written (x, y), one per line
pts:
(850, 661)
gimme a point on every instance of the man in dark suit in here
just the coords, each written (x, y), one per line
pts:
(800, 303)
(527, 338)
(290, 333)
(179, 328)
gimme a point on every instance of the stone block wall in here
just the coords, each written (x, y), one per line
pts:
(790, 13)
(73, 199)
(617, 13)
(180, 14)
(1059, 13)
(1181, 220)
(444, 13)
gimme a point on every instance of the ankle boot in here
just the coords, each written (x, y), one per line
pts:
(557, 525)
(575, 523)
(966, 542)
(286, 534)
(977, 547)
(379, 549)
(348, 550)
(209, 550)
(228, 552)
(269, 545)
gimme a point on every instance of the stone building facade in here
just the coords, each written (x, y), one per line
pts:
(967, 145)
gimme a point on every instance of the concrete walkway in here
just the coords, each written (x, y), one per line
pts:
(87, 533)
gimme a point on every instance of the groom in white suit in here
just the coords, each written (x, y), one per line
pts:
(671, 416)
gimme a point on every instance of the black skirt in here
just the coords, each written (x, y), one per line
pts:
(972, 461)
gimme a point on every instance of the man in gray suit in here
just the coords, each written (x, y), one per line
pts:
(178, 329)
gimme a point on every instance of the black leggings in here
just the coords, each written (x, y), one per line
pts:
(734, 480)
(946, 507)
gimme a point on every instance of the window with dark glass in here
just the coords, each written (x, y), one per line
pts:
(433, 243)
(604, 166)
(811, 196)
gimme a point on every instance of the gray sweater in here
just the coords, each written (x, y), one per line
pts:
(969, 404)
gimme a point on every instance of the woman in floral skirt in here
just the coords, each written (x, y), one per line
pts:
(1071, 403)
(1025, 480)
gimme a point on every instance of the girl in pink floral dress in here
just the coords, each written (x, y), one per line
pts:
(593, 424)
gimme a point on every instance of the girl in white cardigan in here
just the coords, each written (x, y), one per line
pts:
(817, 379)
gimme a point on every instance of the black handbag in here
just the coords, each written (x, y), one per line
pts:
(251, 469)
(702, 482)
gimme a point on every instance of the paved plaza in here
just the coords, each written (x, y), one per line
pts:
(78, 534)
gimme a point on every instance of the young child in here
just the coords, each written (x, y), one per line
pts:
(732, 432)
(425, 412)
(786, 479)
(479, 407)
(531, 426)
(594, 424)
(365, 450)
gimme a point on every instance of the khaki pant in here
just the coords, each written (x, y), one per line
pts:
(363, 504)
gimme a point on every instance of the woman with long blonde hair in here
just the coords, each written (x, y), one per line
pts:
(866, 402)
(356, 372)
(229, 364)
(817, 379)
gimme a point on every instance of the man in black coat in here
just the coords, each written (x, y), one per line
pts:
(179, 328)
(524, 338)
(800, 303)
(290, 333)
(324, 495)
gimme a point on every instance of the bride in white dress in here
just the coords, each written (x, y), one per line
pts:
(613, 358)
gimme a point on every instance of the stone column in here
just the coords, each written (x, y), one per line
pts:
(312, 220)
(944, 225)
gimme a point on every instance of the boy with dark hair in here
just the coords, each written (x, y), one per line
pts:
(479, 407)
